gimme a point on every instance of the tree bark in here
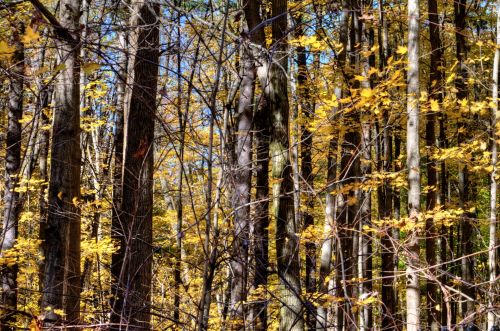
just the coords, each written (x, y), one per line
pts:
(273, 78)
(435, 93)
(242, 187)
(492, 256)
(306, 145)
(385, 196)
(62, 231)
(466, 228)
(116, 221)
(134, 258)
(413, 165)
(12, 206)
(261, 220)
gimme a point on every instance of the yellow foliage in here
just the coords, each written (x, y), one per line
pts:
(6, 51)
(30, 35)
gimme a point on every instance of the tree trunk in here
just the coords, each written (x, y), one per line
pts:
(385, 196)
(326, 251)
(116, 221)
(62, 231)
(268, 108)
(45, 98)
(492, 258)
(396, 234)
(365, 241)
(261, 222)
(242, 187)
(182, 119)
(306, 142)
(467, 231)
(12, 170)
(413, 165)
(287, 243)
(134, 258)
(431, 251)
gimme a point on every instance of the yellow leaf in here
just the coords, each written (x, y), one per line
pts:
(366, 93)
(402, 50)
(60, 195)
(59, 312)
(30, 35)
(367, 301)
(5, 51)
(434, 105)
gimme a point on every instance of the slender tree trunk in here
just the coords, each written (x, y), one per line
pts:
(12, 171)
(62, 232)
(306, 142)
(443, 196)
(365, 242)
(132, 306)
(182, 118)
(389, 201)
(385, 197)
(261, 222)
(241, 190)
(396, 234)
(350, 167)
(413, 165)
(45, 98)
(492, 258)
(326, 251)
(348, 204)
(261, 139)
(436, 79)
(466, 228)
(116, 221)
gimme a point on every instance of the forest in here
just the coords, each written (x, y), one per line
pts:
(286, 165)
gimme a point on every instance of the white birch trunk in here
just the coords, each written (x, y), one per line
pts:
(413, 164)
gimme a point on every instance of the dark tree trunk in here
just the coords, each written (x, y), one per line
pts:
(466, 226)
(133, 283)
(386, 196)
(261, 222)
(436, 79)
(306, 142)
(387, 245)
(349, 165)
(348, 218)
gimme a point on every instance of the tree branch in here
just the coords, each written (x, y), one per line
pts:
(59, 30)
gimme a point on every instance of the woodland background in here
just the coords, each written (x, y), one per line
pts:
(249, 165)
